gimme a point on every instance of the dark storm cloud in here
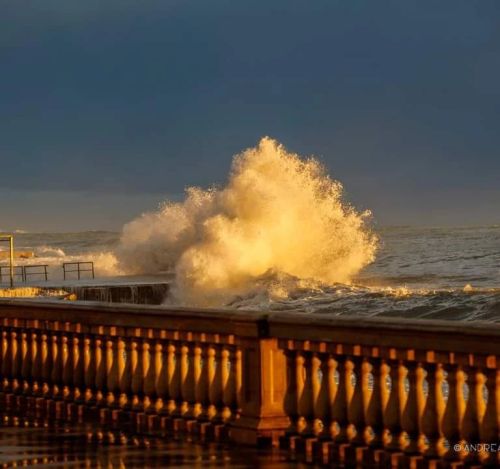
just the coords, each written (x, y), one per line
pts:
(397, 98)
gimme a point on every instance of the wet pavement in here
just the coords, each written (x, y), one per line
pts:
(40, 444)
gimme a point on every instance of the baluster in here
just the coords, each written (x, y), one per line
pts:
(15, 338)
(450, 409)
(67, 366)
(376, 399)
(185, 383)
(213, 367)
(339, 406)
(410, 415)
(137, 374)
(190, 382)
(392, 414)
(291, 395)
(238, 379)
(89, 366)
(26, 364)
(490, 427)
(149, 377)
(225, 412)
(202, 397)
(78, 369)
(228, 383)
(304, 393)
(161, 377)
(430, 415)
(56, 375)
(112, 371)
(355, 407)
(47, 364)
(124, 372)
(100, 371)
(197, 378)
(6, 360)
(473, 412)
(319, 376)
(173, 379)
(36, 363)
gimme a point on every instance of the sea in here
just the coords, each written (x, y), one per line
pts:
(418, 272)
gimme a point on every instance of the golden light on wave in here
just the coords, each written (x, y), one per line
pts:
(278, 214)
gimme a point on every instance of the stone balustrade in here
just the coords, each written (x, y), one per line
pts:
(379, 392)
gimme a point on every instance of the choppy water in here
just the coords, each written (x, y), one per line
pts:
(444, 273)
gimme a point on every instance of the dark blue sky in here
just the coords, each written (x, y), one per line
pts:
(106, 107)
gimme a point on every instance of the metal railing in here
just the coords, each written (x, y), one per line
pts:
(18, 271)
(10, 239)
(79, 268)
(27, 272)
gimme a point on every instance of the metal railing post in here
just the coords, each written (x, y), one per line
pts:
(11, 246)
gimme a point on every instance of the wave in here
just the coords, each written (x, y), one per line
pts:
(278, 213)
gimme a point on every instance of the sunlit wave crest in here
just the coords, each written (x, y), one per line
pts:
(278, 213)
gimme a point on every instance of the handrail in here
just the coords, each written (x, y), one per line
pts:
(14, 271)
(35, 266)
(397, 392)
(78, 268)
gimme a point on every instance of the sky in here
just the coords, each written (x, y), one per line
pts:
(108, 108)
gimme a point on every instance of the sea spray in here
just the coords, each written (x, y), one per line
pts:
(279, 214)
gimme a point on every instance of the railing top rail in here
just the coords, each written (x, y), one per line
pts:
(404, 333)
(419, 334)
(77, 262)
(93, 313)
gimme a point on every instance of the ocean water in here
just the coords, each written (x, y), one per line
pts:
(418, 272)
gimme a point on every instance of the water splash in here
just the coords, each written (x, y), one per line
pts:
(279, 213)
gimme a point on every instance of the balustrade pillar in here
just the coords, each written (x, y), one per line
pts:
(173, 379)
(112, 380)
(263, 392)
(67, 366)
(474, 412)
(16, 350)
(213, 369)
(89, 370)
(47, 363)
(202, 390)
(6, 361)
(375, 401)
(124, 373)
(161, 377)
(100, 371)
(56, 374)
(392, 413)
(321, 406)
(431, 413)
(137, 374)
(26, 364)
(340, 420)
(196, 370)
(355, 379)
(148, 370)
(304, 393)
(489, 429)
(36, 363)
(78, 369)
(228, 384)
(451, 408)
(186, 380)
(410, 415)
